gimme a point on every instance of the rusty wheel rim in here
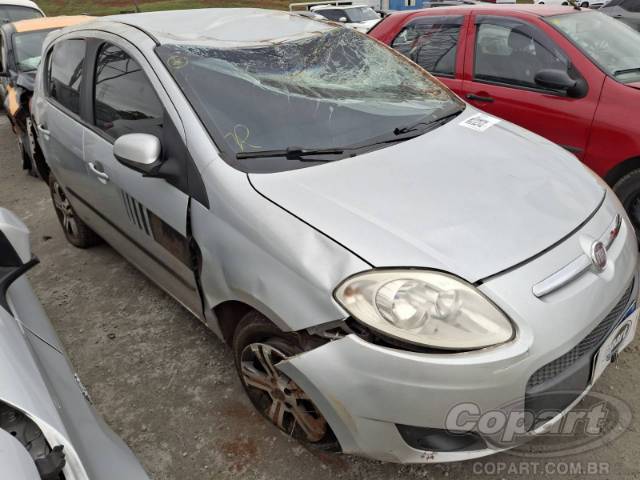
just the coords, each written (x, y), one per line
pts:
(278, 397)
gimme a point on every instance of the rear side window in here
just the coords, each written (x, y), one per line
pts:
(13, 13)
(125, 101)
(66, 73)
(431, 43)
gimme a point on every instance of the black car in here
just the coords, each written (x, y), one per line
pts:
(627, 11)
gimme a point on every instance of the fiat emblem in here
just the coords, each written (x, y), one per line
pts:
(599, 255)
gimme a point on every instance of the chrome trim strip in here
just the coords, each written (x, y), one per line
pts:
(578, 266)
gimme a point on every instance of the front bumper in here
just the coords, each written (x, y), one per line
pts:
(366, 391)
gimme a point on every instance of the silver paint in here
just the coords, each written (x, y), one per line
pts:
(37, 379)
(483, 205)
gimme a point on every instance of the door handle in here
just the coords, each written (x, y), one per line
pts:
(95, 168)
(479, 98)
(42, 128)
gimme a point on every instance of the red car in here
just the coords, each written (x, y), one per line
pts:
(572, 76)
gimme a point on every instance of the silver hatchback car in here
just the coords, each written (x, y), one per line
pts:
(374, 250)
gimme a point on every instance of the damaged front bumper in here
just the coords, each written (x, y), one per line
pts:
(395, 405)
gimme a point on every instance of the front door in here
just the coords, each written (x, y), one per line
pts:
(501, 66)
(144, 218)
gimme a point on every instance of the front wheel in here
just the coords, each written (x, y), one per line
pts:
(628, 191)
(258, 347)
(75, 230)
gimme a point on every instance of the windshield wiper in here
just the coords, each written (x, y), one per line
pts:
(626, 70)
(299, 153)
(291, 153)
(429, 125)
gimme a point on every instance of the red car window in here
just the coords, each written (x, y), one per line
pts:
(431, 42)
(511, 52)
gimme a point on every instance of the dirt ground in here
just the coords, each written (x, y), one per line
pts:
(167, 386)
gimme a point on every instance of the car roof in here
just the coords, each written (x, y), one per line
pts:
(228, 27)
(20, 3)
(527, 9)
(47, 23)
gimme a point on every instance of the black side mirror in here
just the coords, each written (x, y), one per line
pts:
(560, 80)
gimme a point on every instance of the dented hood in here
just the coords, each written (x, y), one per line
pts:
(471, 202)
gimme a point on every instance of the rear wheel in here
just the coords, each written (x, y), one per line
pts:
(258, 347)
(76, 231)
(628, 190)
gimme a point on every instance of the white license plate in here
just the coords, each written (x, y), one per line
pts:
(614, 344)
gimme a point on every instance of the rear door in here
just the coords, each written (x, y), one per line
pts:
(501, 63)
(145, 218)
(59, 127)
(434, 43)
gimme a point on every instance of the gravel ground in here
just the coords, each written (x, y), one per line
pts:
(167, 385)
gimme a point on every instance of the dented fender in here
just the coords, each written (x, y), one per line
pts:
(255, 252)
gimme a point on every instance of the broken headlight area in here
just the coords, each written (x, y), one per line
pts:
(49, 461)
(425, 308)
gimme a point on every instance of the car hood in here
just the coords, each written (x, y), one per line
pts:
(473, 203)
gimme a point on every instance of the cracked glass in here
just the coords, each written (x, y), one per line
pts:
(331, 89)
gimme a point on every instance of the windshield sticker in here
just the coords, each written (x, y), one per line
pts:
(480, 122)
(177, 61)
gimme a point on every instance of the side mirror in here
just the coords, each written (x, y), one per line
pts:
(139, 151)
(15, 247)
(4, 74)
(343, 20)
(560, 80)
(555, 79)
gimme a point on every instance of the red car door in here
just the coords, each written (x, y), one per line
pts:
(504, 56)
(436, 43)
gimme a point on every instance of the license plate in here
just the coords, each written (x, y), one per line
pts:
(615, 343)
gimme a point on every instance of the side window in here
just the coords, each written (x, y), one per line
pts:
(431, 44)
(125, 101)
(514, 53)
(631, 6)
(65, 73)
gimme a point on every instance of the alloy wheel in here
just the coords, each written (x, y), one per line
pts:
(64, 210)
(278, 397)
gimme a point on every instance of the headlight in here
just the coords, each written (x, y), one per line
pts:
(425, 308)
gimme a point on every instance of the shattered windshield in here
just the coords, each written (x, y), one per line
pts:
(334, 89)
(28, 49)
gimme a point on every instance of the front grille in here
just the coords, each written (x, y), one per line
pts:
(587, 345)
